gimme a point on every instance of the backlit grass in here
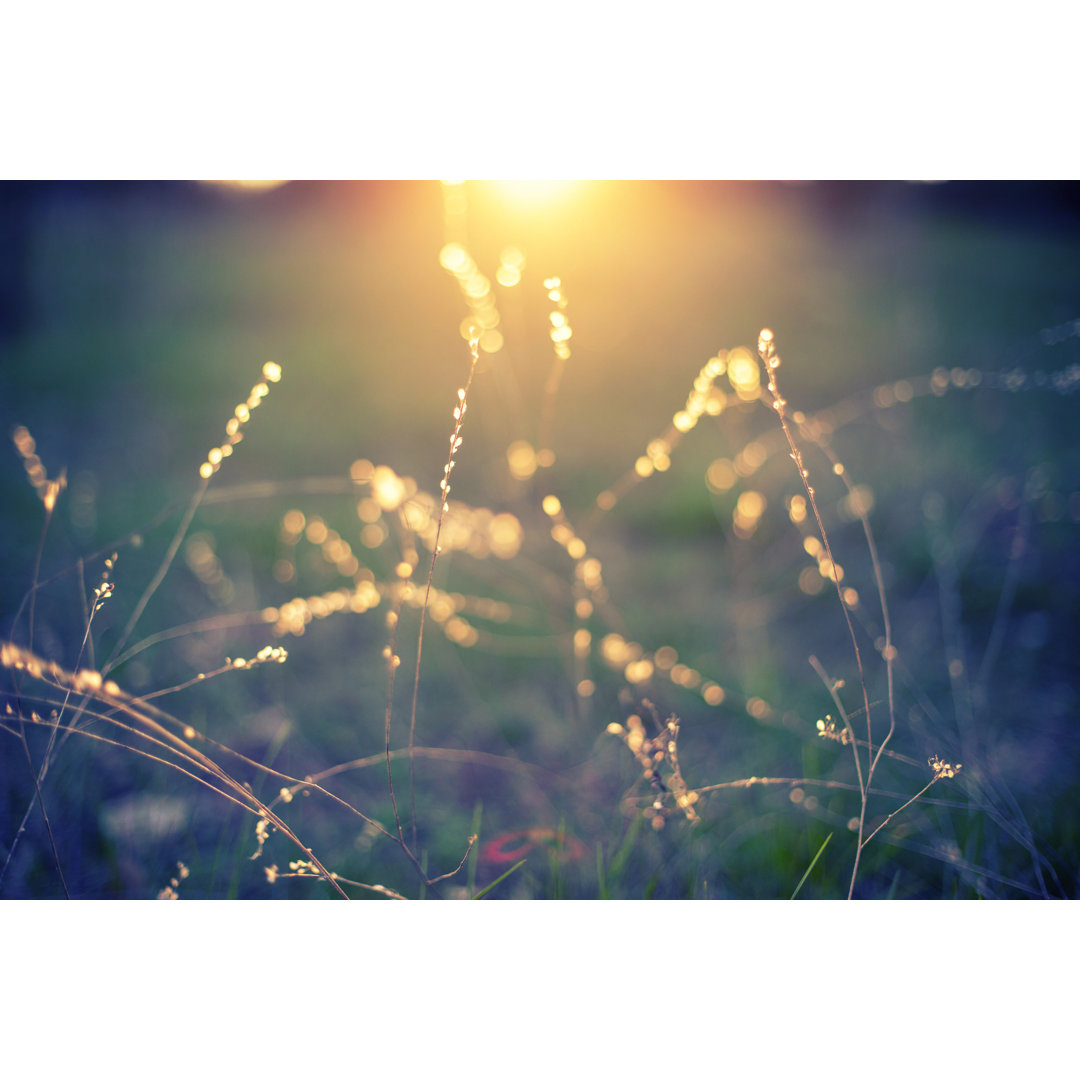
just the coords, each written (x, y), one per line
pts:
(515, 590)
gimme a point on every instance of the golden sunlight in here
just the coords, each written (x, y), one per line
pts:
(534, 193)
(744, 373)
(246, 186)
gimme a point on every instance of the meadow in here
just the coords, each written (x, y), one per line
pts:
(617, 541)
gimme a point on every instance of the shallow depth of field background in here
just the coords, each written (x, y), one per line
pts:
(135, 316)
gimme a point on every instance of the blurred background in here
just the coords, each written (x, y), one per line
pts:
(134, 316)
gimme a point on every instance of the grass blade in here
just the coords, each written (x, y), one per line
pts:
(813, 863)
(502, 877)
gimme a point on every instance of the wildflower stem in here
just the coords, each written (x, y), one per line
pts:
(157, 579)
(769, 357)
(37, 796)
(455, 442)
(933, 780)
(879, 581)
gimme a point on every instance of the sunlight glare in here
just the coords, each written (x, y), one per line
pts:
(252, 187)
(534, 194)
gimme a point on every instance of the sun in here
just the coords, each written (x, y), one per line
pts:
(534, 193)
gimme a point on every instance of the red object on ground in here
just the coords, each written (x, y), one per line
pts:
(512, 846)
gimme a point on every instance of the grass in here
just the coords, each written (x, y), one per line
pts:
(675, 633)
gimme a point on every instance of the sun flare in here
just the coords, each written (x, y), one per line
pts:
(534, 193)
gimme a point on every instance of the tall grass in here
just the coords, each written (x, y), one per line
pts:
(571, 725)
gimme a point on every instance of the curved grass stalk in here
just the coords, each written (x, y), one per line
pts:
(147, 718)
